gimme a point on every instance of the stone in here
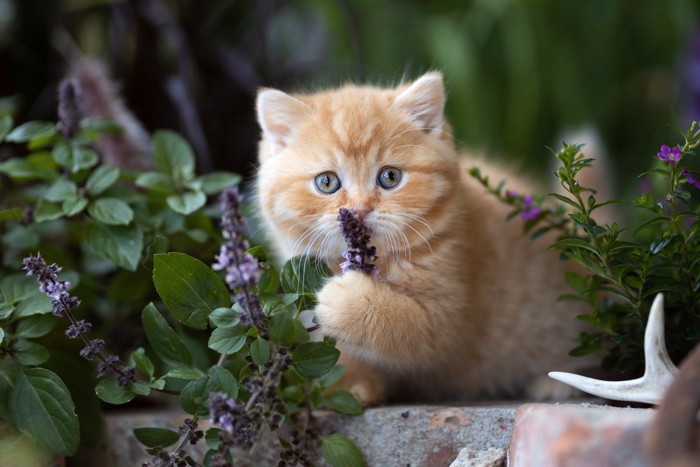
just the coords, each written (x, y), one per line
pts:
(578, 435)
(493, 457)
(404, 436)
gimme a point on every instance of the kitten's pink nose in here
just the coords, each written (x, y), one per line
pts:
(362, 212)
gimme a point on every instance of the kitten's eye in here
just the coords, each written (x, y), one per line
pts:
(327, 182)
(389, 177)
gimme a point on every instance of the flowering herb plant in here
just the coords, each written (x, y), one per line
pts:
(626, 265)
(220, 332)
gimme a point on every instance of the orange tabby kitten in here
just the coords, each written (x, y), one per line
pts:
(465, 304)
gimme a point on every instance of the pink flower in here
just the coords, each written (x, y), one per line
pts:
(669, 154)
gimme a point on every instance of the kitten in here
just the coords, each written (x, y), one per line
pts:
(465, 305)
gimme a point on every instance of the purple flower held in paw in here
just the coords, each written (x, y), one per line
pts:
(667, 154)
(360, 254)
(530, 212)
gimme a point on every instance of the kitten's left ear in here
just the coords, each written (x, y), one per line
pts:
(279, 115)
(424, 102)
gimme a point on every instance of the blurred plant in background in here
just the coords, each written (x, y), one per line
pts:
(520, 72)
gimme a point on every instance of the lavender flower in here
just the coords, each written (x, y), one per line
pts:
(69, 107)
(63, 304)
(530, 212)
(667, 154)
(242, 269)
(242, 423)
(360, 254)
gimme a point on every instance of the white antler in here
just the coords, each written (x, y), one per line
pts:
(658, 368)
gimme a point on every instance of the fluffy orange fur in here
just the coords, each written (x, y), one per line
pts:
(465, 305)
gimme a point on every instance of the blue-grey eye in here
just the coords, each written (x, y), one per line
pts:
(389, 177)
(327, 182)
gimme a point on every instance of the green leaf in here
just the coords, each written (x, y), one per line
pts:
(339, 451)
(285, 330)
(109, 391)
(195, 395)
(186, 203)
(155, 181)
(101, 179)
(260, 351)
(573, 243)
(42, 408)
(156, 437)
(227, 341)
(315, 359)
(61, 190)
(650, 222)
(172, 155)
(165, 342)
(31, 130)
(141, 388)
(6, 122)
(333, 376)
(20, 169)
(215, 182)
(11, 214)
(343, 401)
(46, 211)
(112, 211)
(659, 245)
(100, 125)
(224, 317)
(302, 274)
(189, 288)
(74, 157)
(29, 353)
(185, 373)
(564, 199)
(73, 206)
(2, 335)
(22, 294)
(142, 362)
(119, 244)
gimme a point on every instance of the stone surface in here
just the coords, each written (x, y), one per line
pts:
(581, 435)
(493, 457)
(402, 436)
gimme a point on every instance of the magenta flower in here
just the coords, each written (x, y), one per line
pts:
(669, 154)
(692, 180)
(530, 212)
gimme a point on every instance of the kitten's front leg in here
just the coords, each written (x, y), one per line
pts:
(373, 321)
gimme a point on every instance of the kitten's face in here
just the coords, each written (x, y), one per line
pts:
(384, 153)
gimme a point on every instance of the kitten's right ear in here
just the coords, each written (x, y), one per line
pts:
(424, 102)
(278, 115)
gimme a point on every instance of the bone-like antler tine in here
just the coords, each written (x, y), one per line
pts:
(658, 374)
(656, 359)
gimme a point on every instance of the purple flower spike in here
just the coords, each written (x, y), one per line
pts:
(668, 154)
(530, 212)
(242, 269)
(360, 254)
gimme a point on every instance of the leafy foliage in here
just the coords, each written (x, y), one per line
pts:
(111, 228)
(625, 267)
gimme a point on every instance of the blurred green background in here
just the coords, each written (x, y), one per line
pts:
(519, 72)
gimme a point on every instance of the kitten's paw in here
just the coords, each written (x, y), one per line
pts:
(342, 304)
(365, 381)
(369, 393)
(544, 388)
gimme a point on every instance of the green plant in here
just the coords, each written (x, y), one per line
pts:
(238, 342)
(626, 266)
